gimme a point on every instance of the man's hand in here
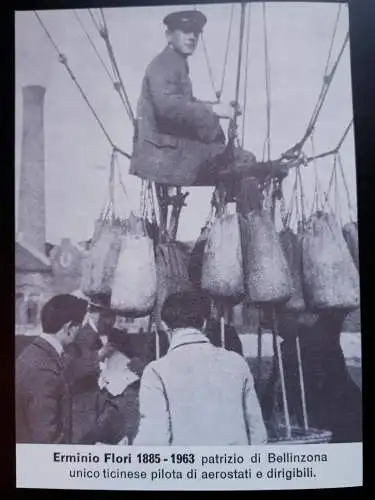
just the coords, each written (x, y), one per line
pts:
(225, 110)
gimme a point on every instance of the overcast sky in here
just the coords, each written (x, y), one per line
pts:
(77, 153)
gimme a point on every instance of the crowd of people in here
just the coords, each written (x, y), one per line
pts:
(194, 392)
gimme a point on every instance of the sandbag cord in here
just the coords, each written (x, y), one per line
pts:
(350, 205)
(63, 59)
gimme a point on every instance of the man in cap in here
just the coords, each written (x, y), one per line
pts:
(43, 405)
(178, 139)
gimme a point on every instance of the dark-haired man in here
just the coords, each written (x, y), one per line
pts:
(43, 405)
(197, 394)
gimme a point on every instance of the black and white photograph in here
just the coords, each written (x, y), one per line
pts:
(186, 256)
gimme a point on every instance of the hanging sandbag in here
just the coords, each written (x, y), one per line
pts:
(292, 247)
(350, 232)
(267, 275)
(172, 261)
(134, 281)
(222, 267)
(196, 258)
(100, 263)
(331, 279)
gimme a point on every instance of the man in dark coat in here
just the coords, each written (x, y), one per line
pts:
(43, 405)
(178, 139)
(82, 367)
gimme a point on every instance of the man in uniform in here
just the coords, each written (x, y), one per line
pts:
(178, 138)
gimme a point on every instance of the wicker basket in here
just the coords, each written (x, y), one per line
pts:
(300, 436)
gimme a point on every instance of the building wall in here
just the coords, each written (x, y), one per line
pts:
(32, 291)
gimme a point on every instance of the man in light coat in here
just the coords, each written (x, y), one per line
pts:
(197, 394)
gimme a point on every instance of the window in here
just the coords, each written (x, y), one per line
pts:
(31, 312)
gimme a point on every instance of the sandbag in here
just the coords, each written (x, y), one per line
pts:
(331, 279)
(267, 275)
(134, 281)
(222, 267)
(350, 232)
(100, 264)
(292, 247)
(196, 258)
(172, 273)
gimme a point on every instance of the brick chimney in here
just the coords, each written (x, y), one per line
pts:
(31, 195)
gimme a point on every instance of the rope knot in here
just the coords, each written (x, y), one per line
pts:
(117, 86)
(63, 59)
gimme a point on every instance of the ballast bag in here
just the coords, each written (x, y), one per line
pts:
(350, 232)
(292, 248)
(196, 258)
(331, 279)
(134, 281)
(222, 267)
(101, 261)
(172, 262)
(267, 275)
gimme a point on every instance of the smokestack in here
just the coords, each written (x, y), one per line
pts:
(31, 197)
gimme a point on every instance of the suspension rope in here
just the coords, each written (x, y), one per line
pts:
(113, 79)
(246, 76)
(210, 73)
(332, 39)
(327, 80)
(268, 84)
(226, 51)
(63, 59)
(119, 86)
(93, 45)
(239, 61)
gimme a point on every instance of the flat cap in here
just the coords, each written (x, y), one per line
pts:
(186, 20)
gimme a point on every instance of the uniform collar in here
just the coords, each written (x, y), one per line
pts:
(52, 341)
(184, 336)
(171, 50)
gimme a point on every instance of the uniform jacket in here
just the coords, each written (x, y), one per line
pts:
(43, 405)
(176, 135)
(199, 394)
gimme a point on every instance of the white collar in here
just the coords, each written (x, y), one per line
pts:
(183, 336)
(88, 321)
(52, 340)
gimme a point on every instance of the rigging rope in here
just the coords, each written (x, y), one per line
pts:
(63, 59)
(246, 76)
(226, 51)
(104, 32)
(210, 73)
(93, 45)
(327, 80)
(268, 84)
(239, 60)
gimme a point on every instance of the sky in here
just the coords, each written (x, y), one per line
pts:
(76, 151)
